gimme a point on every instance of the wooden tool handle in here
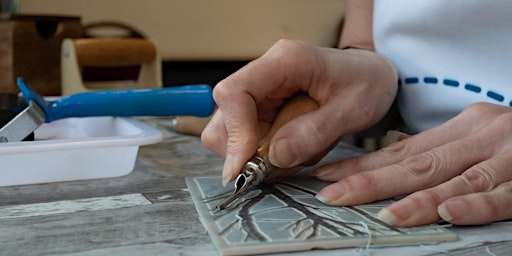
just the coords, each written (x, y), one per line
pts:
(296, 106)
(191, 125)
(114, 51)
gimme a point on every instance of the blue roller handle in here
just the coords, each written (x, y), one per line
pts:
(193, 100)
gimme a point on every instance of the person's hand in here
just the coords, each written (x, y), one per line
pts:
(460, 172)
(354, 89)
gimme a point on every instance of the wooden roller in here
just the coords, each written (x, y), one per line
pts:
(114, 51)
(104, 53)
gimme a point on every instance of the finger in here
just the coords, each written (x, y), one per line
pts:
(479, 208)
(417, 172)
(492, 179)
(426, 206)
(214, 135)
(455, 129)
(254, 92)
(322, 154)
(241, 129)
(278, 74)
(303, 138)
(238, 105)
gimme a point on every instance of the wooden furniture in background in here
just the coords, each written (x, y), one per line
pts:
(108, 53)
(30, 47)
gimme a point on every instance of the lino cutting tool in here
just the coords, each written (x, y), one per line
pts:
(195, 100)
(259, 168)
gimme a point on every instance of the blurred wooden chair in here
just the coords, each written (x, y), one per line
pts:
(109, 63)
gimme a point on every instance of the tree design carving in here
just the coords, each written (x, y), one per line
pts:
(287, 212)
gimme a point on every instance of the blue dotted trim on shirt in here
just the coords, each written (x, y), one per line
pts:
(430, 80)
(452, 83)
(411, 80)
(473, 88)
(495, 96)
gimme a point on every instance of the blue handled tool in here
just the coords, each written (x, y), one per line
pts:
(193, 100)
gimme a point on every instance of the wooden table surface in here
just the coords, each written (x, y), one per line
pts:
(150, 212)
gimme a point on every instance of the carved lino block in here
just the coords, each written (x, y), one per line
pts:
(285, 216)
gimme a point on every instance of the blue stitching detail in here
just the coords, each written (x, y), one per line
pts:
(452, 83)
(473, 88)
(496, 96)
(411, 80)
(430, 80)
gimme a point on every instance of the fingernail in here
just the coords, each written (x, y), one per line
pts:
(452, 209)
(225, 179)
(331, 194)
(282, 153)
(322, 198)
(386, 216)
(398, 212)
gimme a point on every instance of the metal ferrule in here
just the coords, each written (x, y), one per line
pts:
(258, 167)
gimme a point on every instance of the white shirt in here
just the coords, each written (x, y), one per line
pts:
(449, 54)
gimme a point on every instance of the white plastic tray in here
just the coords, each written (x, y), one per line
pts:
(75, 149)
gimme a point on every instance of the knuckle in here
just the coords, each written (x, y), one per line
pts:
(479, 178)
(286, 45)
(507, 188)
(210, 137)
(290, 53)
(207, 139)
(479, 107)
(357, 163)
(398, 149)
(213, 140)
(485, 109)
(505, 119)
(237, 140)
(427, 165)
(222, 91)
(489, 208)
(427, 197)
(213, 143)
(313, 143)
(360, 181)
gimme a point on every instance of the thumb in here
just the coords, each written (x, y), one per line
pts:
(312, 134)
(301, 141)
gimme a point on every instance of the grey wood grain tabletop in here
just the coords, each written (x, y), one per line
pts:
(150, 211)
